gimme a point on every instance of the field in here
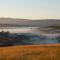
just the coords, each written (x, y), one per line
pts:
(31, 52)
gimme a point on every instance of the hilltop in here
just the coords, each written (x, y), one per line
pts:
(13, 22)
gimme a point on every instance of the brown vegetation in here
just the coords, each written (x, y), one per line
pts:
(31, 52)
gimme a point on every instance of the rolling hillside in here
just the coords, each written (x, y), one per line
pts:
(27, 22)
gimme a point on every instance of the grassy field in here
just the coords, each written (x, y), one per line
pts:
(31, 52)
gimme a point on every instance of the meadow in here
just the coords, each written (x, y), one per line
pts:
(31, 52)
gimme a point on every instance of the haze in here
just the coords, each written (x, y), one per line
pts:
(30, 9)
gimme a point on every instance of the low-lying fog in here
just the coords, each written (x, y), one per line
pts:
(36, 36)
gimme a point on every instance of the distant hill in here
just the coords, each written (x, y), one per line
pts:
(54, 26)
(26, 22)
(2, 25)
(52, 29)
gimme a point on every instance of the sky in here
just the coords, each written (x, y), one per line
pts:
(30, 9)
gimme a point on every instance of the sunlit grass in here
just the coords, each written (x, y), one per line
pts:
(32, 52)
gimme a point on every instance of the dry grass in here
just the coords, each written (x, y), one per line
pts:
(32, 52)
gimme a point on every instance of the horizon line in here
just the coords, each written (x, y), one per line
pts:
(30, 19)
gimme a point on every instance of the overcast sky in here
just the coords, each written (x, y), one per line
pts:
(30, 9)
